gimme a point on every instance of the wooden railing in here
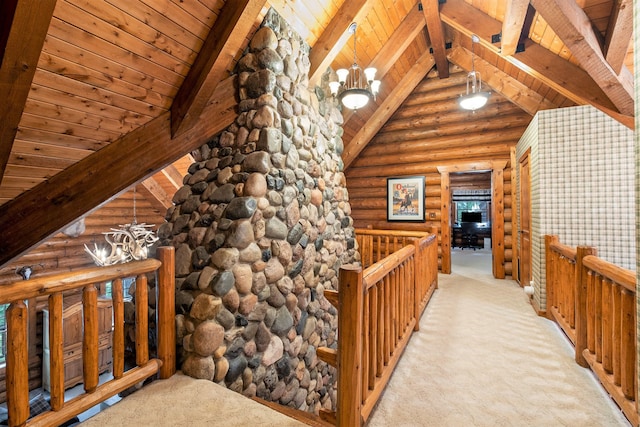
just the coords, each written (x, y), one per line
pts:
(86, 280)
(378, 309)
(601, 299)
(561, 284)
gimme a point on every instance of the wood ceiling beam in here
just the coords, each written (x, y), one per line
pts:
(436, 35)
(513, 25)
(502, 83)
(48, 207)
(335, 36)
(393, 49)
(155, 194)
(173, 175)
(408, 83)
(560, 75)
(226, 38)
(574, 28)
(24, 27)
(619, 34)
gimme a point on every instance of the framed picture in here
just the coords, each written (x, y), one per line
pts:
(405, 198)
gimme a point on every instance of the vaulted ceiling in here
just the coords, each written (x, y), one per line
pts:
(99, 95)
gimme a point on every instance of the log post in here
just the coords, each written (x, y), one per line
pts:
(350, 347)
(166, 312)
(419, 277)
(90, 338)
(549, 276)
(56, 356)
(142, 320)
(17, 364)
(118, 328)
(581, 284)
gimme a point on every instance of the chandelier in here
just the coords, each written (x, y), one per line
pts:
(128, 243)
(475, 98)
(355, 87)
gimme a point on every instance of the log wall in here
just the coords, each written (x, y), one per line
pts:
(62, 253)
(427, 132)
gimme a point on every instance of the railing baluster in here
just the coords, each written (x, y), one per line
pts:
(616, 338)
(607, 331)
(118, 328)
(142, 320)
(598, 318)
(628, 345)
(591, 312)
(56, 357)
(90, 338)
(17, 368)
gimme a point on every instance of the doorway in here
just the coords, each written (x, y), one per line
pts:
(471, 210)
(524, 248)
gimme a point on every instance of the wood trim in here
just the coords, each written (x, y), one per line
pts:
(46, 208)
(515, 271)
(227, 37)
(619, 34)
(156, 195)
(20, 49)
(445, 220)
(497, 210)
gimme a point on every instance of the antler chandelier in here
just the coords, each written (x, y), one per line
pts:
(128, 243)
(355, 87)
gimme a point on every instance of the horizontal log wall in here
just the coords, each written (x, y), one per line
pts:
(62, 253)
(427, 132)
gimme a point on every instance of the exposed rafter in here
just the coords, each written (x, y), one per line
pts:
(560, 75)
(399, 41)
(436, 35)
(502, 83)
(49, 206)
(619, 34)
(572, 25)
(334, 37)
(512, 26)
(388, 107)
(20, 46)
(225, 39)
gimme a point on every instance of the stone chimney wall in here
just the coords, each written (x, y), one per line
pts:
(261, 228)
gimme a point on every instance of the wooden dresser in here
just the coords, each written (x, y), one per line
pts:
(72, 325)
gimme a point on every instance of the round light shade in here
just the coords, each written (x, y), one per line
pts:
(370, 73)
(473, 101)
(342, 73)
(355, 98)
(335, 87)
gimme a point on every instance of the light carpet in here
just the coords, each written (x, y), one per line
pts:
(483, 357)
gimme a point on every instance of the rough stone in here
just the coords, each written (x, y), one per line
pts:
(207, 337)
(257, 162)
(276, 229)
(241, 207)
(256, 185)
(205, 307)
(283, 322)
(225, 258)
(183, 260)
(223, 194)
(242, 234)
(264, 38)
(237, 366)
(274, 270)
(222, 283)
(222, 367)
(273, 352)
(199, 367)
(243, 277)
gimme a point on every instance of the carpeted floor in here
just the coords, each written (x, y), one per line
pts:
(483, 357)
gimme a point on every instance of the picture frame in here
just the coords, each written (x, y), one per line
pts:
(405, 199)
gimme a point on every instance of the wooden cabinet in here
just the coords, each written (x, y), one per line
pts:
(72, 325)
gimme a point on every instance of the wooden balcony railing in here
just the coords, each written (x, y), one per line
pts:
(378, 309)
(594, 302)
(86, 280)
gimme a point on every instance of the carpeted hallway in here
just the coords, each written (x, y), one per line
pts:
(483, 357)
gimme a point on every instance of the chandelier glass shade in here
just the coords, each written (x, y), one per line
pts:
(475, 98)
(355, 86)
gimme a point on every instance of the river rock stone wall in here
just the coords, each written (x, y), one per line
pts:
(261, 228)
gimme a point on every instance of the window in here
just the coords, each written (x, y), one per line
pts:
(472, 206)
(126, 285)
(3, 333)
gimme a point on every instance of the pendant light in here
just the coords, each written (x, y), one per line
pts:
(475, 98)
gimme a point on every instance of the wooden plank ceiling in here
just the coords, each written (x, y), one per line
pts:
(100, 95)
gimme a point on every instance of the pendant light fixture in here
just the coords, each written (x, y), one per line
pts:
(130, 242)
(475, 98)
(355, 87)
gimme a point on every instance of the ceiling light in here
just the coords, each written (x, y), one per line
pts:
(475, 98)
(355, 87)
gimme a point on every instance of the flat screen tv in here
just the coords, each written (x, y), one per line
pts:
(471, 216)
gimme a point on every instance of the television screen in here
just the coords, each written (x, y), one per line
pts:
(471, 216)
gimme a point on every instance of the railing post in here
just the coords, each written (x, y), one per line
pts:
(581, 283)
(350, 324)
(549, 276)
(17, 364)
(90, 338)
(418, 280)
(166, 311)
